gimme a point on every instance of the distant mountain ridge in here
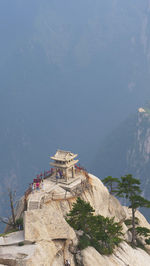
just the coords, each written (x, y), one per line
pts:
(127, 151)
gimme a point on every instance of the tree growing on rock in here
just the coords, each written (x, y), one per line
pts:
(111, 183)
(80, 214)
(97, 231)
(129, 188)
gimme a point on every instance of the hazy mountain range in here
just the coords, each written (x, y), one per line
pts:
(127, 151)
(70, 72)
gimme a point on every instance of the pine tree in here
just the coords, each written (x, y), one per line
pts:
(100, 232)
(80, 214)
(111, 183)
(129, 188)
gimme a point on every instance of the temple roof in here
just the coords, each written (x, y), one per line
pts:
(61, 155)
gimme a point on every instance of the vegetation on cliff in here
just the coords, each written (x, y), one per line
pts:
(96, 230)
(129, 187)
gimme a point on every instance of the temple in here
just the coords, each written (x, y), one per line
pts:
(64, 164)
(65, 180)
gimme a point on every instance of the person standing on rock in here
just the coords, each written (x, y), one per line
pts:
(57, 177)
(37, 186)
(67, 263)
(42, 184)
(33, 186)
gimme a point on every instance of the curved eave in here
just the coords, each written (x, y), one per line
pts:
(64, 166)
(66, 159)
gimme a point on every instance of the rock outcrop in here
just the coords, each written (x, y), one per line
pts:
(49, 240)
(124, 255)
(45, 224)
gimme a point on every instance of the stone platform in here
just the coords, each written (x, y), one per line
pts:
(56, 189)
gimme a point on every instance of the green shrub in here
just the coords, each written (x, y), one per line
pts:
(143, 231)
(147, 241)
(21, 244)
(19, 223)
(129, 221)
(84, 242)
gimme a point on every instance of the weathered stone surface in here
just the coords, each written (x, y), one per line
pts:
(46, 224)
(12, 238)
(44, 254)
(123, 256)
(103, 203)
(15, 255)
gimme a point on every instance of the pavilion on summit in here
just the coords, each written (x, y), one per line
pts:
(64, 164)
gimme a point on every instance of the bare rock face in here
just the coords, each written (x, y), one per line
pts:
(44, 254)
(12, 238)
(15, 255)
(124, 255)
(103, 203)
(46, 224)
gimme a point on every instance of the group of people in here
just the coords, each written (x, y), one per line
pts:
(79, 167)
(38, 183)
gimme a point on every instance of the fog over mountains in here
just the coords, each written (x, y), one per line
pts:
(127, 150)
(70, 72)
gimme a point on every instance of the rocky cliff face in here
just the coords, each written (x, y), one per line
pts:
(138, 154)
(49, 240)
